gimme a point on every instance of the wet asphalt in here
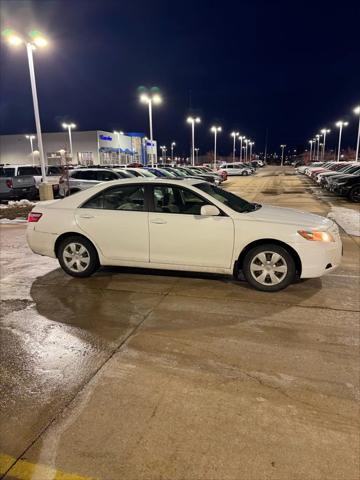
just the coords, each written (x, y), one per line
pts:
(135, 374)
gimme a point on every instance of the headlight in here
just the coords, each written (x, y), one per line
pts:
(316, 236)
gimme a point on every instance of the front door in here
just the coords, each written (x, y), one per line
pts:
(179, 235)
(116, 221)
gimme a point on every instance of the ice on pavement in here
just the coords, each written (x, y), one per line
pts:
(347, 218)
(15, 220)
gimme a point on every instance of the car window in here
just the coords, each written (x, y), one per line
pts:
(29, 171)
(7, 172)
(54, 171)
(105, 176)
(135, 173)
(227, 198)
(86, 175)
(169, 199)
(126, 197)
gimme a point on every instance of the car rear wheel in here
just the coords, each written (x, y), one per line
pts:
(269, 268)
(354, 193)
(78, 257)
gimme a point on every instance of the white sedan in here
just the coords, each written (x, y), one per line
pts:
(183, 225)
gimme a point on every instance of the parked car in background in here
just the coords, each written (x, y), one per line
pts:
(348, 186)
(53, 174)
(84, 178)
(233, 169)
(183, 225)
(17, 187)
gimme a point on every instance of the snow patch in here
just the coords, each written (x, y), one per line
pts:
(6, 221)
(347, 218)
(18, 203)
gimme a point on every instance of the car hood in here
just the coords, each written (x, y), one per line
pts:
(289, 216)
(341, 177)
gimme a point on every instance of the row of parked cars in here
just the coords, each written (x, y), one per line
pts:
(82, 178)
(341, 178)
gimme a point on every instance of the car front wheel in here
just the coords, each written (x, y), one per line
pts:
(269, 268)
(78, 257)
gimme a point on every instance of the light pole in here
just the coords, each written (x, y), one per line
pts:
(215, 129)
(118, 137)
(340, 124)
(324, 131)
(163, 150)
(251, 145)
(241, 138)
(246, 141)
(357, 112)
(311, 146)
(197, 155)
(150, 100)
(192, 121)
(317, 146)
(282, 154)
(31, 138)
(173, 144)
(34, 40)
(69, 127)
(234, 135)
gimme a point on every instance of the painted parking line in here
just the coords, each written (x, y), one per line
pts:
(24, 470)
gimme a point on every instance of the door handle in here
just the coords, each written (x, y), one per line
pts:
(86, 216)
(158, 221)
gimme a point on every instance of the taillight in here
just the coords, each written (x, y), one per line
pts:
(34, 217)
(9, 183)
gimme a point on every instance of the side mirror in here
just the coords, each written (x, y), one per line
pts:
(209, 211)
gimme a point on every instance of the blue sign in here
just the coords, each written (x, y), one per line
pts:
(105, 137)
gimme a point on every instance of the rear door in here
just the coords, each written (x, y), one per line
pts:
(116, 220)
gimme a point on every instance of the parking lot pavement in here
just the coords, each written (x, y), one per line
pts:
(159, 375)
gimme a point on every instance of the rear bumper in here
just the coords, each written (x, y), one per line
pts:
(19, 193)
(40, 242)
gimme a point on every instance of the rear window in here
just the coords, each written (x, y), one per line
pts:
(54, 171)
(29, 171)
(7, 172)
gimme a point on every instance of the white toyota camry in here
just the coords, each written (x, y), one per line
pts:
(183, 225)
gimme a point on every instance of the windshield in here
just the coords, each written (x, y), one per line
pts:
(227, 198)
(7, 172)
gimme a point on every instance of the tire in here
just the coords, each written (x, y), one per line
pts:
(245, 173)
(274, 277)
(354, 193)
(79, 252)
(72, 191)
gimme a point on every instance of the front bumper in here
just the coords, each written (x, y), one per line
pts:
(319, 258)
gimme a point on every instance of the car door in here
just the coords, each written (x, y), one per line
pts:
(179, 235)
(116, 220)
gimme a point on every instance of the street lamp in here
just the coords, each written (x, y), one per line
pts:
(234, 135)
(340, 124)
(241, 138)
(282, 154)
(311, 146)
(246, 141)
(317, 137)
(324, 131)
(34, 40)
(151, 99)
(192, 121)
(163, 150)
(251, 145)
(173, 144)
(118, 137)
(31, 138)
(69, 127)
(215, 129)
(357, 112)
(197, 155)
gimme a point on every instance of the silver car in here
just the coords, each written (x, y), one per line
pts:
(84, 178)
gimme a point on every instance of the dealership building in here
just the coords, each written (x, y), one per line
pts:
(95, 147)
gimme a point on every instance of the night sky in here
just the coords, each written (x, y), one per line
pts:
(292, 67)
